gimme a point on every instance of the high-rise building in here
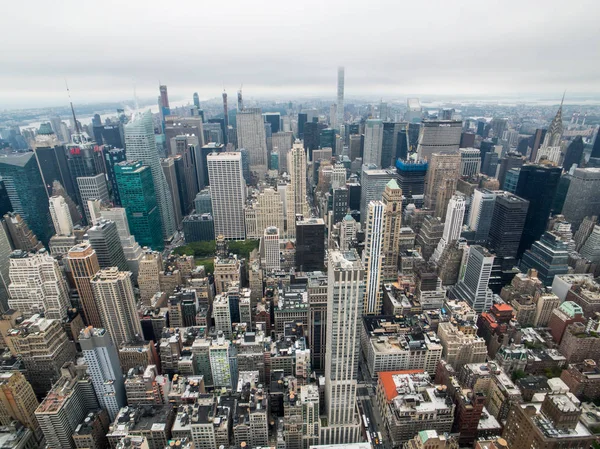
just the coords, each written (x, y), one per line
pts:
(270, 243)
(507, 163)
(452, 225)
(345, 296)
(5, 251)
(439, 136)
(37, 285)
(52, 160)
(411, 177)
(373, 257)
(61, 217)
(549, 256)
(574, 153)
(228, 194)
(393, 147)
(373, 182)
(282, 141)
(310, 244)
(114, 295)
(251, 136)
(583, 196)
(168, 166)
(442, 174)
(480, 214)
(104, 368)
(148, 277)
(537, 184)
(27, 192)
(274, 119)
(473, 288)
(340, 97)
(104, 238)
(138, 198)
(470, 161)
(141, 146)
(67, 404)
(297, 168)
(507, 223)
(92, 188)
(17, 401)
(373, 142)
(83, 264)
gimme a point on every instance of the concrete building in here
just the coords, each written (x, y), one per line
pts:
(251, 136)
(438, 136)
(583, 197)
(440, 181)
(373, 182)
(92, 187)
(270, 249)
(470, 162)
(452, 225)
(83, 264)
(473, 288)
(373, 142)
(104, 238)
(392, 230)
(61, 217)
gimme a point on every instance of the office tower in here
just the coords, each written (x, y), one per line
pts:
(18, 401)
(327, 139)
(37, 285)
(52, 162)
(583, 196)
(373, 256)
(269, 211)
(44, 347)
(355, 146)
(228, 194)
(452, 225)
(251, 136)
(198, 228)
(297, 168)
(373, 182)
(202, 202)
(490, 164)
(574, 153)
(411, 177)
(186, 170)
(196, 99)
(373, 142)
(139, 201)
(114, 295)
(270, 244)
(340, 97)
(310, 244)
(220, 366)
(507, 163)
(27, 193)
(507, 224)
(72, 397)
(83, 264)
(61, 217)
(480, 214)
(105, 240)
(148, 277)
(282, 142)
(392, 224)
(191, 127)
(345, 296)
(168, 166)
(511, 180)
(222, 314)
(470, 161)
(442, 173)
(104, 368)
(473, 288)
(551, 145)
(19, 233)
(5, 251)
(537, 184)
(113, 156)
(537, 140)
(302, 119)
(312, 131)
(438, 136)
(340, 204)
(141, 146)
(274, 119)
(549, 256)
(92, 188)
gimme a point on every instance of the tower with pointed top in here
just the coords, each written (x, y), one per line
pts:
(551, 147)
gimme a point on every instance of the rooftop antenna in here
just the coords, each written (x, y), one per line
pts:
(240, 100)
(72, 109)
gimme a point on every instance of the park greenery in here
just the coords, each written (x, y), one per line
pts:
(204, 252)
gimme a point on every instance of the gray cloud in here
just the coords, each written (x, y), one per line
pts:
(291, 48)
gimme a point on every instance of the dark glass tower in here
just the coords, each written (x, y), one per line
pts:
(302, 119)
(105, 240)
(574, 153)
(310, 244)
(549, 256)
(537, 184)
(411, 177)
(508, 221)
(111, 158)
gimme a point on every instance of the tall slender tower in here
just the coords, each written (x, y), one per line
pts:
(141, 146)
(61, 217)
(225, 117)
(251, 136)
(113, 291)
(83, 263)
(373, 142)
(345, 298)
(392, 224)
(297, 168)
(372, 257)
(452, 225)
(340, 98)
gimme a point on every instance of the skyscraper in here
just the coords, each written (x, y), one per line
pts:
(17, 401)
(168, 166)
(470, 161)
(537, 184)
(473, 288)
(61, 217)
(574, 153)
(37, 285)
(340, 97)
(5, 251)
(507, 223)
(452, 225)
(251, 136)
(442, 174)
(270, 244)
(297, 168)
(507, 163)
(392, 225)
(141, 146)
(104, 238)
(92, 188)
(27, 193)
(411, 177)
(583, 196)
(228, 194)
(373, 182)
(310, 244)
(139, 200)
(372, 257)
(83, 264)
(439, 136)
(114, 295)
(373, 142)
(480, 214)
(19, 234)
(549, 256)
(102, 359)
(345, 296)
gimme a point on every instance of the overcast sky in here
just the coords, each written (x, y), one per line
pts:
(291, 48)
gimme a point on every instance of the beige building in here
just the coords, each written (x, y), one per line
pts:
(17, 401)
(461, 346)
(392, 230)
(227, 271)
(440, 182)
(83, 263)
(150, 266)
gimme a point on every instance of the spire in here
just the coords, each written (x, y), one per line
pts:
(78, 131)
